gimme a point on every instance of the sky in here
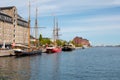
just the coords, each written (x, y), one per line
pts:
(95, 20)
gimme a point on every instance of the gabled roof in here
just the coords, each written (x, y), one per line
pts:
(9, 7)
(78, 37)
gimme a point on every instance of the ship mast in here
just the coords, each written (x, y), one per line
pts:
(36, 25)
(55, 31)
(36, 28)
(29, 27)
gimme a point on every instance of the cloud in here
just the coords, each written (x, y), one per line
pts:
(90, 29)
(86, 24)
(116, 2)
(60, 7)
(93, 19)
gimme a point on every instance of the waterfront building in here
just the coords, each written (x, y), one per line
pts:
(13, 28)
(81, 41)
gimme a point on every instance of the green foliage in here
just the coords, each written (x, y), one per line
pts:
(76, 45)
(61, 42)
(44, 41)
(64, 42)
(40, 37)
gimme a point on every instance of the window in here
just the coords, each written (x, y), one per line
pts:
(14, 35)
(14, 40)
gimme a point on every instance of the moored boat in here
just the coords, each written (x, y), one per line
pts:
(22, 50)
(68, 47)
(28, 53)
(53, 49)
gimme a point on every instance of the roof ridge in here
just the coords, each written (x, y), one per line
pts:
(8, 7)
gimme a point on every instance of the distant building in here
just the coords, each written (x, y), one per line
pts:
(13, 28)
(81, 41)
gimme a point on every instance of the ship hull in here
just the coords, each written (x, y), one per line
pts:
(53, 50)
(28, 53)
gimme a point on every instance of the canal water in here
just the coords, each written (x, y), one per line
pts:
(100, 63)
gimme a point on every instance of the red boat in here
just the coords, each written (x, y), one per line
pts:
(52, 49)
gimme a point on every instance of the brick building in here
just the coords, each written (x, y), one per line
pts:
(13, 28)
(81, 41)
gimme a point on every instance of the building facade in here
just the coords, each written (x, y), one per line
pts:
(13, 28)
(81, 41)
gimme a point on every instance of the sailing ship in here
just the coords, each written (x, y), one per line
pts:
(54, 48)
(21, 50)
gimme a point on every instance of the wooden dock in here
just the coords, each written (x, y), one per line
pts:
(4, 53)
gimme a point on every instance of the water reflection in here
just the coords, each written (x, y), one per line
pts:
(30, 68)
(12, 68)
(47, 67)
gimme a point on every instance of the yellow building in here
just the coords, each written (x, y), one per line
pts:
(13, 28)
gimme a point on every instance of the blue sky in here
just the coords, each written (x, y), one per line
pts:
(96, 20)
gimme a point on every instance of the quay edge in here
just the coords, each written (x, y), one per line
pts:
(5, 53)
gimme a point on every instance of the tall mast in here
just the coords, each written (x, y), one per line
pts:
(57, 30)
(29, 27)
(36, 28)
(36, 25)
(54, 31)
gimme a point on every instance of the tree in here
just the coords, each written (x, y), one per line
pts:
(59, 42)
(40, 37)
(44, 41)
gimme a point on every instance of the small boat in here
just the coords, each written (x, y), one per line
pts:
(53, 49)
(68, 47)
(21, 50)
(85, 46)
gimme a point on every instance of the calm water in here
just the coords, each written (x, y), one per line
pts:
(102, 63)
